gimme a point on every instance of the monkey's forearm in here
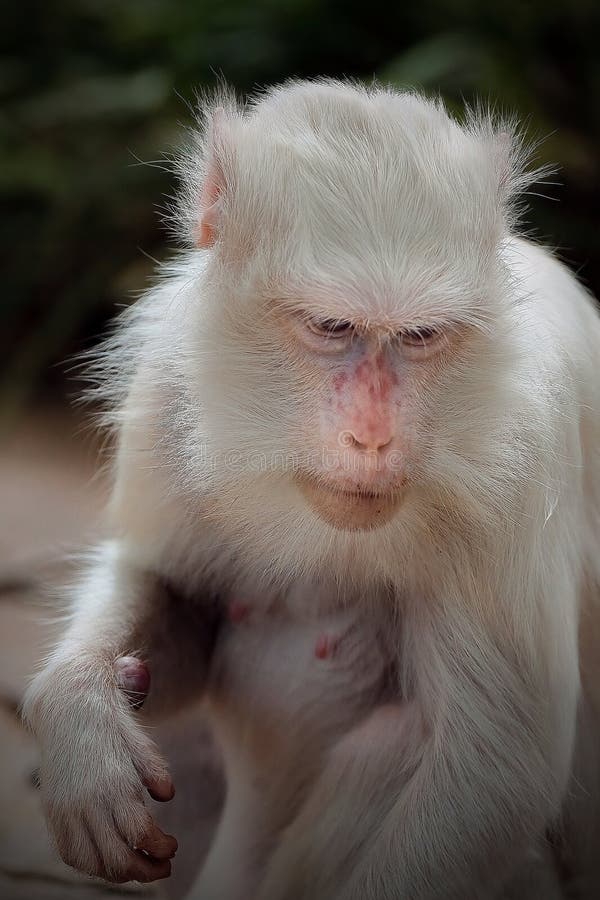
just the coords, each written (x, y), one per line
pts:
(97, 761)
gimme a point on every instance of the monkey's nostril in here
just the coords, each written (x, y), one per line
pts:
(385, 445)
(369, 443)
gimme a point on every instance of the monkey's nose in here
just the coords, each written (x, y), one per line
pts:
(369, 439)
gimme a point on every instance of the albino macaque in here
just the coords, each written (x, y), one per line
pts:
(356, 513)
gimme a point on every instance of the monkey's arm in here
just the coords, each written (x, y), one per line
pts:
(436, 798)
(96, 757)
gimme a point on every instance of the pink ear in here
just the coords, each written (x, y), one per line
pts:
(206, 229)
(213, 187)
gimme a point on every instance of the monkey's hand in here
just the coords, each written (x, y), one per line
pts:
(97, 763)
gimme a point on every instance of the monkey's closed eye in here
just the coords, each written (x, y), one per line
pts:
(419, 337)
(330, 328)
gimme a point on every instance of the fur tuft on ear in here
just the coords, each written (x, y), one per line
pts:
(511, 152)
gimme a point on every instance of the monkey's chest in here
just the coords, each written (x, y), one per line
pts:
(287, 677)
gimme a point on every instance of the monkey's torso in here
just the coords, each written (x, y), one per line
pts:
(285, 685)
(313, 675)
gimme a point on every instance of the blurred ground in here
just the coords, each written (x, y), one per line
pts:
(50, 497)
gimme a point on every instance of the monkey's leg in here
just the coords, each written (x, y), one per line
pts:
(431, 803)
(536, 878)
(333, 851)
(97, 758)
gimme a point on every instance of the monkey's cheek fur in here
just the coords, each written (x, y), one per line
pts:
(349, 511)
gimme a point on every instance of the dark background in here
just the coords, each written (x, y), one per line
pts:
(91, 87)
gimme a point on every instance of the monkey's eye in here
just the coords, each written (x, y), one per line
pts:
(420, 337)
(330, 328)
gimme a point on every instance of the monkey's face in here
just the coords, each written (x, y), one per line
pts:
(345, 413)
(363, 397)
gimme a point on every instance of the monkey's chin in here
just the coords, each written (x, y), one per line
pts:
(349, 510)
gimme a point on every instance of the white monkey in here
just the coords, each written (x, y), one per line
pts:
(356, 509)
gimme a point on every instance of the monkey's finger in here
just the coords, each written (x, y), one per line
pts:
(139, 831)
(76, 847)
(160, 787)
(144, 869)
(151, 767)
(100, 854)
(133, 678)
(134, 865)
(118, 862)
(157, 844)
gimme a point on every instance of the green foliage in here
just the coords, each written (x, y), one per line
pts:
(90, 87)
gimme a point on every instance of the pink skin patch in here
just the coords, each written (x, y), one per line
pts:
(133, 678)
(237, 611)
(325, 646)
(362, 401)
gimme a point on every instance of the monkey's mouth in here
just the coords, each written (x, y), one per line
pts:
(350, 507)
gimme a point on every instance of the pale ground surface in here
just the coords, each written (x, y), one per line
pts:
(50, 500)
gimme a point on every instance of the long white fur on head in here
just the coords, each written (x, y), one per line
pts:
(378, 197)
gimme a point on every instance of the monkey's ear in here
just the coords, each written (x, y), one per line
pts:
(213, 185)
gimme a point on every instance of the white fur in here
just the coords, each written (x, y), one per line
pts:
(339, 201)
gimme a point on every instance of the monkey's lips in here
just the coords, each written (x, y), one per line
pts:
(348, 507)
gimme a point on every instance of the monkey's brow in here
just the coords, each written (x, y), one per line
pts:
(331, 302)
(383, 325)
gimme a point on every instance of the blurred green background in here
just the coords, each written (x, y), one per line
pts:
(90, 87)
